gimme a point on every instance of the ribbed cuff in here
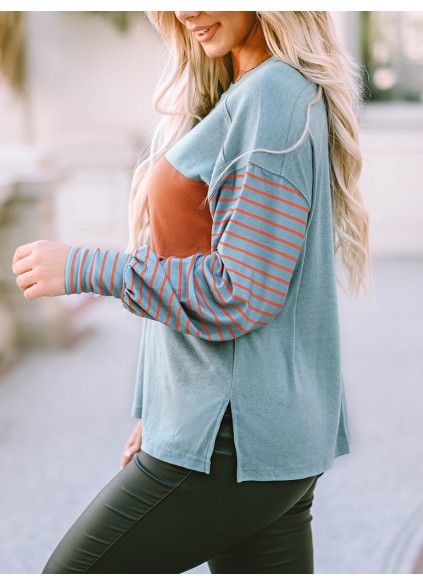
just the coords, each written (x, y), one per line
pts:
(100, 271)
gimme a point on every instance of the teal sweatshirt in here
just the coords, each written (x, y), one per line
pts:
(248, 316)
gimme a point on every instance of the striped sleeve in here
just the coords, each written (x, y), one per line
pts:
(259, 225)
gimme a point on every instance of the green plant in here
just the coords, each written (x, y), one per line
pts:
(12, 48)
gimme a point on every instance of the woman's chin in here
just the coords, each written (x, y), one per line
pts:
(214, 52)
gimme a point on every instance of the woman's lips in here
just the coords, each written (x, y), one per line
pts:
(208, 35)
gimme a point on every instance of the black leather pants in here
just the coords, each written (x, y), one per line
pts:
(158, 518)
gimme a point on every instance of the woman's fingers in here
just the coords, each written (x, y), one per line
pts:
(29, 286)
(22, 252)
(128, 455)
(22, 266)
(132, 446)
(34, 292)
(26, 280)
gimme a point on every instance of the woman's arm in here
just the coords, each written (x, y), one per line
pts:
(259, 223)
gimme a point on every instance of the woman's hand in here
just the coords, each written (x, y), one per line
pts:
(41, 268)
(132, 446)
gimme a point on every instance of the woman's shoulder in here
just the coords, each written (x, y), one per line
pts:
(280, 75)
(270, 108)
(274, 86)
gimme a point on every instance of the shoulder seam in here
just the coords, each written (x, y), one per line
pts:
(293, 110)
(281, 176)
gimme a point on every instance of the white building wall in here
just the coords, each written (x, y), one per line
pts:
(392, 145)
(12, 116)
(391, 138)
(86, 77)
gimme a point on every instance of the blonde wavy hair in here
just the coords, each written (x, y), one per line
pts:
(192, 83)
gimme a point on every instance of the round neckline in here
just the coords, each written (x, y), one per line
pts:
(251, 72)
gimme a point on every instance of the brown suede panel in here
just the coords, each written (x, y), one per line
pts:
(178, 226)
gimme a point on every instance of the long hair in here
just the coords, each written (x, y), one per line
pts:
(192, 83)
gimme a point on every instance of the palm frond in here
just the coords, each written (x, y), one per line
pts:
(12, 48)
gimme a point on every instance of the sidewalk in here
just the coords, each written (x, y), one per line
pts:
(65, 415)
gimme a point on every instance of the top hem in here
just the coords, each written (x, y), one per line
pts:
(248, 474)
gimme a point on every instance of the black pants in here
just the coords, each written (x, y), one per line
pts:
(158, 518)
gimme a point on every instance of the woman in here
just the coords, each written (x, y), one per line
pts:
(252, 186)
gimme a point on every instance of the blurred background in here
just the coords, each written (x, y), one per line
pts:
(75, 111)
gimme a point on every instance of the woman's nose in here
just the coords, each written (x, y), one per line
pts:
(185, 15)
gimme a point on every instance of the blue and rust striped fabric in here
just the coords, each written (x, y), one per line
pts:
(259, 222)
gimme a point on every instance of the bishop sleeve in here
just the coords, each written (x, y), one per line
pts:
(259, 225)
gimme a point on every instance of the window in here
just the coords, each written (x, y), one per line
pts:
(392, 54)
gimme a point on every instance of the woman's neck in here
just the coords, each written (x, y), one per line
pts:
(250, 54)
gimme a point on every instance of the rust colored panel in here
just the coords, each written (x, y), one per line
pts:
(178, 226)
